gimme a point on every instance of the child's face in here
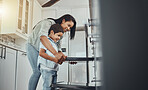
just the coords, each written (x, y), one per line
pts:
(56, 36)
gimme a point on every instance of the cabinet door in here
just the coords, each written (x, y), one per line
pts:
(24, 6)
(1, 74)
(26, 16)
(1, 70)
(24, 72)
(19, 26)
(7, 70)
(17, 20)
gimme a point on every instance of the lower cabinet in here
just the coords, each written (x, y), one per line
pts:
(7, 69)
(23, 71)
(15, 69)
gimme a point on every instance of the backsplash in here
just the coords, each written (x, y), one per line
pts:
(8, 40)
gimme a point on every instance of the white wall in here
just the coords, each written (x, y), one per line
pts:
(81, 14)
(49, 13)
(37, 13)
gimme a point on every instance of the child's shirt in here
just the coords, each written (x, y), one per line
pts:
(48, 64)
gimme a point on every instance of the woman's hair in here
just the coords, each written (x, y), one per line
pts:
(56, 28)
(67, 17)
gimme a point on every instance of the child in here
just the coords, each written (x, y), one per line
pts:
(46, 60)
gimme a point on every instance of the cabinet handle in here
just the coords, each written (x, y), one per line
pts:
(3, 52)
(24, 53)
(95, 80)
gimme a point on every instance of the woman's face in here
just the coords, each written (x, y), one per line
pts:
(67, 25)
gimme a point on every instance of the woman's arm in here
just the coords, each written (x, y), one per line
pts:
(44, 40)
(43, 54)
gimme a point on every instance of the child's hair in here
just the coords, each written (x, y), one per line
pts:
(56, 28)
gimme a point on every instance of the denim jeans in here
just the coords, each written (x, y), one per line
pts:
(49, 78)
(32, 55)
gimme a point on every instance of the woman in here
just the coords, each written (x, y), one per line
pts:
(39, 34)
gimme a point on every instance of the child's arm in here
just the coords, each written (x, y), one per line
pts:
(48, 45)
(43, 54)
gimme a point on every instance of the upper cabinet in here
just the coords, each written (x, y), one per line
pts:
(16, 19)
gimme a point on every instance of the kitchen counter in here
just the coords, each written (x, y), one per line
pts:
(12, 47)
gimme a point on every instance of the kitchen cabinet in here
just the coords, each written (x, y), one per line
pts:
(15, 69)
(16, 19)
(7, 69)
(1, 70)
(24, 71)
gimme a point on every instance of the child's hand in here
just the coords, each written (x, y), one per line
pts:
(59, 61)
(58, 57)
(62, 59)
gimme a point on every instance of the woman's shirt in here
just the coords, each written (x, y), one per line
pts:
(41, 29)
